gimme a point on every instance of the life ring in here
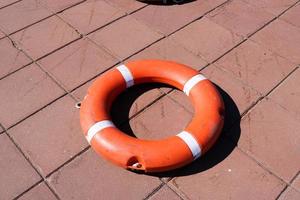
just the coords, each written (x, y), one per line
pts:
(152, 155)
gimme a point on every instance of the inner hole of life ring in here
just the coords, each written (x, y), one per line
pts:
(152, 111)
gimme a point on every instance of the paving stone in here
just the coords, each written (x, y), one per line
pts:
(270, 135)
(163, 119)
(77, 63)
(44, 37)
(11, 58)
(16, 173)
(288, 94)
(128, 6)
(39, 192)
(84, 177)
(289, 194)
(237, 96)
(256, 66)
(24, 92)
(90, 15)
(206, 39)
(167, 19)
(232, 178)
(125, 37)
(240, 17)
(2, 35)
(133, 101)
(58, 5)
(273, 6)
(80, 92)
(282, 38)
(167, 49)
(296, 183)
(179, 97)
(27, 13)
(165, 193)
(56, 135)
(292, 15)
(6, 2)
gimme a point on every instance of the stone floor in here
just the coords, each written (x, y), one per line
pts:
(51, 51)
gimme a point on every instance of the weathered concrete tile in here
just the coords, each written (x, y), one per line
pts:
(256, 66)
(90, 177)
(77, 63)
(11, 58)
(292, 15)
(90, 15)
(288, 94)
(282, 38)
(273, 6)
(24, 92)
(125, 37)
(206, 39)
(167, 49)
(270, 135)
(165, 193)
(39, 192)
(167, 19)
(58, 5)
(44, 37)
(55, 137)
(162, 119)
(234, 177)
(289, 194)
(26, 13)
(16, 173)
(240, 17)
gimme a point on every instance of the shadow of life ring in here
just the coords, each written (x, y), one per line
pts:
(152, 155)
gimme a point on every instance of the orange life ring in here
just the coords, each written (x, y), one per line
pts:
(152, 155)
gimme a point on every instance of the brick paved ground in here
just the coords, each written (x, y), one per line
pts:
(51, 51)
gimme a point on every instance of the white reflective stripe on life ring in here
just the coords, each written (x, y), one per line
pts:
(191, 143)
(192, 82)
(93, 130)
(126, 75)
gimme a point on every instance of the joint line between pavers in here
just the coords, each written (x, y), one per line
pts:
(68, 161)
(281, 192)
(28, 160)
(28, 189)
(176, 189)
(267, 94)
(31, 164)
(17, 1)
(262, 166)
(154, 191)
